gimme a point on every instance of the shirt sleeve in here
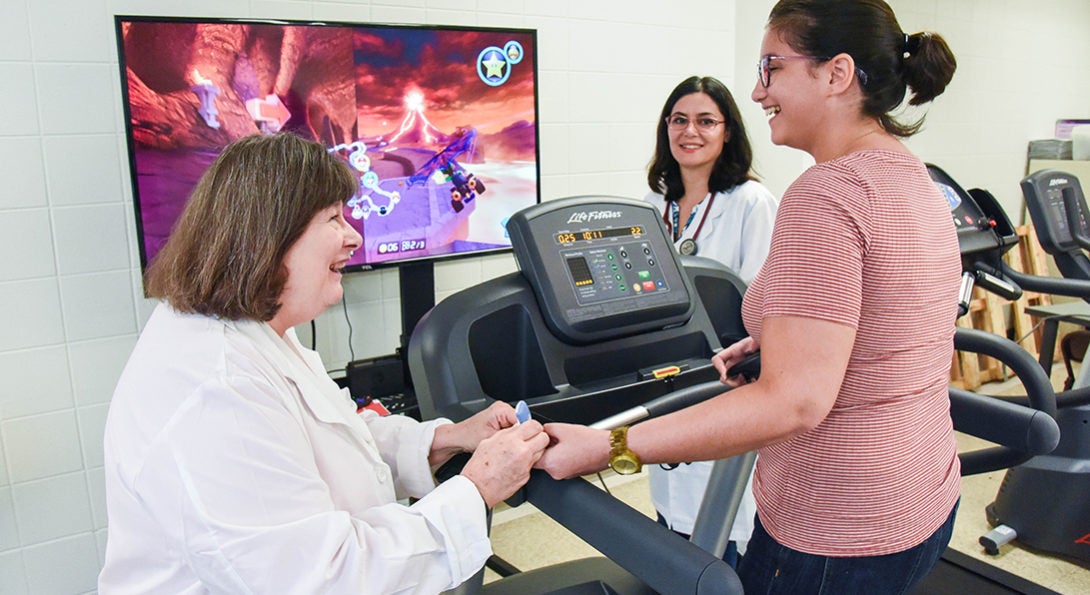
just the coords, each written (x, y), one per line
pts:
(757, 226)
(235, 484)
(405, 444)
(815, 265)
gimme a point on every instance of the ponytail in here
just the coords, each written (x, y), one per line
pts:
(891, 61)
(928, 66)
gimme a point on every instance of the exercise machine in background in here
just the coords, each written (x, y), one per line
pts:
(1045, 502)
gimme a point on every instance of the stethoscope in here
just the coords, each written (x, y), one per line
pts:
(688, 246)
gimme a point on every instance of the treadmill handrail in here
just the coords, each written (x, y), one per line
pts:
(1068, 287)
(1069, 398)
(1025, 367)
(667, 403)
(728, 479)
(1021, 432)
(658, 556)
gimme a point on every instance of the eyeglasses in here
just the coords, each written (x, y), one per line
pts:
(703, 123)
(764, 73)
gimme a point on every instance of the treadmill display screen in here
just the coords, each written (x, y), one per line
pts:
(601, 267)
(1044, 192)
(614, 271)
(982, 227)
(590, 235)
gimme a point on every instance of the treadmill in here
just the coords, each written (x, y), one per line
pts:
(604, 324)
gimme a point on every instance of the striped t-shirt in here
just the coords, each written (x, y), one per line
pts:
(867, 241)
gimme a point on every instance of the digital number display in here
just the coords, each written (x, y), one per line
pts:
(568, 237)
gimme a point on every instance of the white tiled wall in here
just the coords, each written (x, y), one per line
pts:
(69, 289)
(1021, 66)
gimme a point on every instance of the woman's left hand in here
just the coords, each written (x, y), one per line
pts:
(498, 416)
(731, 355)
(464, 436)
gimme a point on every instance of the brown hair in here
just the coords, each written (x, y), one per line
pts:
(867, 30)
(225, 254)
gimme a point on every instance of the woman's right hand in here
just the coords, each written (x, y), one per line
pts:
(731, 355)
(502, 462)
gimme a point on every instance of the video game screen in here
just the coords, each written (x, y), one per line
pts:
(439, 123)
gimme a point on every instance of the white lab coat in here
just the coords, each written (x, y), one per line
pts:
(737, 232)
(738, 229)
(234, 464)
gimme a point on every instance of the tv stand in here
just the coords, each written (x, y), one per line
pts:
(386, 378)
(417, 281)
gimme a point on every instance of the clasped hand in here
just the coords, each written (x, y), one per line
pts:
(503, 450)
(576, 450)
(731, 355)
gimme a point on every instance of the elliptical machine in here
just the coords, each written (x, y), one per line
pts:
(1061, 478)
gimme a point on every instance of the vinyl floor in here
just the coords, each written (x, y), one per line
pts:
(528, 539)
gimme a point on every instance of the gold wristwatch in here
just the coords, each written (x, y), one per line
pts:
(622, 460)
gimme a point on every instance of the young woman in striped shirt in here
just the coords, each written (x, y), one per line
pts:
(857, 481)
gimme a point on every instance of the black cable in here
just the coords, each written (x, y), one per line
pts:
(351, 351)
(602, 481)
(500, 566)
(313, 335)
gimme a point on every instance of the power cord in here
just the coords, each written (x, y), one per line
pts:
(602, 481)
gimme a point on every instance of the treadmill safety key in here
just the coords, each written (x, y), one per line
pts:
(659, 373)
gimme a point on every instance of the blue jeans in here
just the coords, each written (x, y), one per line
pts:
(771, 568)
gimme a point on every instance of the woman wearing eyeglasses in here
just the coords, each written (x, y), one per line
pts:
(701, 182)
(857, 480)
(713, 207)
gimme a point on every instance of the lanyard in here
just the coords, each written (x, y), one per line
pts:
(675, 215)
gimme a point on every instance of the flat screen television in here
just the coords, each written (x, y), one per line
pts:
(440, 123)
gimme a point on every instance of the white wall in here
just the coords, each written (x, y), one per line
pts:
(1021, 66)
(69, 283)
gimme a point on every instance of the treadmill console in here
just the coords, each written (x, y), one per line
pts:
(1045, 192)
(981, 224)
(600, 267)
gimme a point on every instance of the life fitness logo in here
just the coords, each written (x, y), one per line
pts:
(584, 216)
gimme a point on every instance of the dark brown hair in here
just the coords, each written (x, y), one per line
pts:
(867, 30)
(734, 162)
(225, 254)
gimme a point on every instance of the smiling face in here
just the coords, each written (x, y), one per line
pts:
(314, 264)
(692, 146)
(790, 100)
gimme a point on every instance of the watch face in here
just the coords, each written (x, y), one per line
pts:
(624, 465)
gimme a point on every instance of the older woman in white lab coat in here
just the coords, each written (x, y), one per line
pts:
(234, 464)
